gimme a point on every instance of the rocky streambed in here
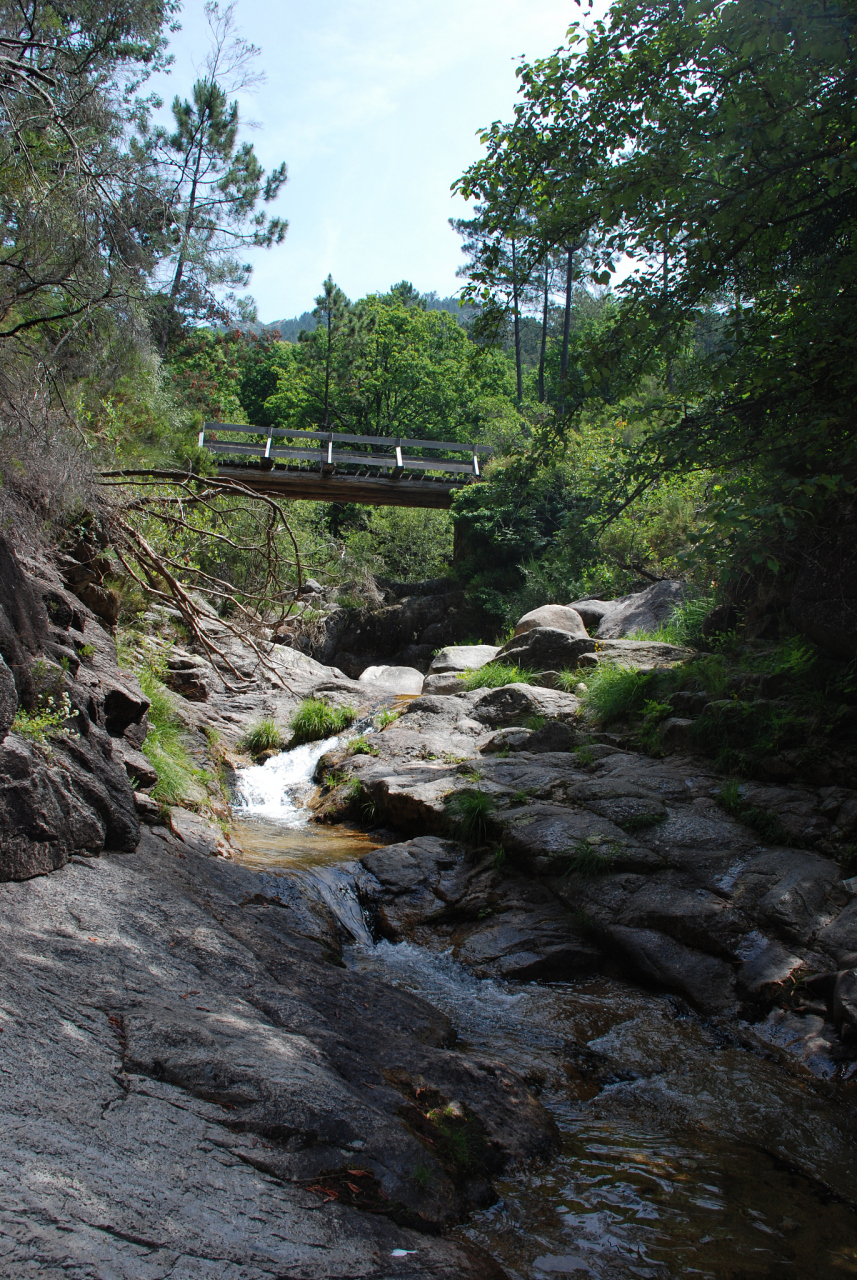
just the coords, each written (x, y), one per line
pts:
(473, 997)
(708, 1130)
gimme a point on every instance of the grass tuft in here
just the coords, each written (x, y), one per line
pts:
(315, 720)
(164, 746)
(494, 675)
(469, 812)
(262, 736)
(591, 858)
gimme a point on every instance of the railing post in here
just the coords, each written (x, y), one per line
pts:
(327, 466)
(475, 462)
(201, 444)
(399, 468)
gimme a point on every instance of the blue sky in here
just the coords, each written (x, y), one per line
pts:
(375, 106)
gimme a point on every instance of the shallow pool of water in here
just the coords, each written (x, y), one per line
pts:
(681, 1153)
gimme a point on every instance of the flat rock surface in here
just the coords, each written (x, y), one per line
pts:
(183, 1062)
(644, 861)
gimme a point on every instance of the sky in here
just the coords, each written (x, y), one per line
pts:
(375, 106)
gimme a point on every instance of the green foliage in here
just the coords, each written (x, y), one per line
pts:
(591, 857)
(314, 720)
(215, 184)
(584, 756)
(734, 342)
(362, 747)
(264, 735)
(49, 720)
(469, 812)
(386, 717)
(613, 693)
(385, 367)
(570, 681)
(164, 746)
(494, 675)
(403, 543)
(685, 625)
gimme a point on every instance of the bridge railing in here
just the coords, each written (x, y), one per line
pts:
(327, 452)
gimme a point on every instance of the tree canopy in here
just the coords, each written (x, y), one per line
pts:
(714, 144)
(388, 366)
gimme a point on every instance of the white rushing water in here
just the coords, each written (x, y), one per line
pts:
(277, 790)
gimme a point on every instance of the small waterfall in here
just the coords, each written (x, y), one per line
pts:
(278, 789)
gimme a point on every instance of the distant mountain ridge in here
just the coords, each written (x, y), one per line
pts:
(291, 329)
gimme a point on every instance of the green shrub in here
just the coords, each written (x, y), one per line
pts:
(569, 680)
(684, 627)
(494, 675)
(49, 720)
(164, 746)
(468, 814)
(314, 720)
(613, 693)
(262, 736)
(591, 857)
(385, 717)
(362, 747)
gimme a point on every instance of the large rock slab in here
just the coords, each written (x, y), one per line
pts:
(639, 655)
(8, 699)
(514, 703)
(462, 657)
(215, 1084)
(558, 617)
(708, 983)
(546, 649)
(644, 611)
(395, 679)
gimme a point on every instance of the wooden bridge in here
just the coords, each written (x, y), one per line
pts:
(380, 471)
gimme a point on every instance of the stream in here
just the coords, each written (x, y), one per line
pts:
(683, 1154)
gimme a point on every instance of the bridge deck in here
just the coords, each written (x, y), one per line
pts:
(394, 476)
(373, 491)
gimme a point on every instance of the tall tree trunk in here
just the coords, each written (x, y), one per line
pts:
(544, 340)
(517, 325)
(566, 325)
(326, 425)
(670, 384)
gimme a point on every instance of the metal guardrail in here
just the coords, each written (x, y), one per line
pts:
(328, 454)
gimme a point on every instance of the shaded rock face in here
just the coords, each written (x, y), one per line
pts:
(546, 649)
(229, 1095)
(643, 611)
(824, 596)
(23, 623)
(8, 699)
(71, 794)
(405, 633)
